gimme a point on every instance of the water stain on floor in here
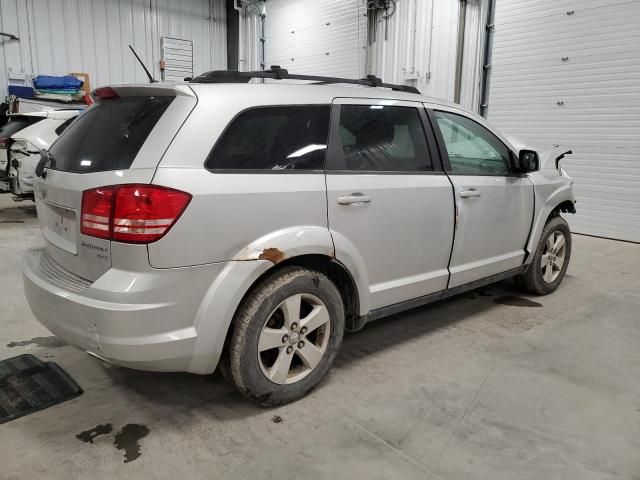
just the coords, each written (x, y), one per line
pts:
(513, 301)
(128, 439)
(49, 342)
(88, 435)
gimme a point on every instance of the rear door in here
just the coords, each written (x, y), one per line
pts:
(389, 202)
(119, 140)
(494, 207)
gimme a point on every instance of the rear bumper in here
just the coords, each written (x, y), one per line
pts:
(142, 320)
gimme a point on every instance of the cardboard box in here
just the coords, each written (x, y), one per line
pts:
(86, 87)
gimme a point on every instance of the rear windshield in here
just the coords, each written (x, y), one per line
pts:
(109, 135)
(15, 124)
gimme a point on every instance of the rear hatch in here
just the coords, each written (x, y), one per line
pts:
(118, 140)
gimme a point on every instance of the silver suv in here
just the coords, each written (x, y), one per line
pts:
(249, 225)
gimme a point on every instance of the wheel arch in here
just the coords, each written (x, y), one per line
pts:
(338, 274)
(310, 247)
(334, 270)
(560, 201)
(566, 206)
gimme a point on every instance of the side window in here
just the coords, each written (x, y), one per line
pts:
(274, 138)
(382, 138)
(472, 149)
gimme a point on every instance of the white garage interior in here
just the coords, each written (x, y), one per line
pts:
(568, 73)
(557, 73)
(493, 382)
(58, 37)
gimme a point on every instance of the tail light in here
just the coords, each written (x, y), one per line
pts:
(131, 213)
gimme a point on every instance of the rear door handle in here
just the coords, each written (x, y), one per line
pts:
(354, 199)
(472, 192)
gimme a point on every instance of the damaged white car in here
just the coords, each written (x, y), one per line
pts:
(21, 141)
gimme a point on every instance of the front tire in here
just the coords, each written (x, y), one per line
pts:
(550, 262)
(286, 334)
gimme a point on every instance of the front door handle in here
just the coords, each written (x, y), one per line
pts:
(472, 192)
(354, 199)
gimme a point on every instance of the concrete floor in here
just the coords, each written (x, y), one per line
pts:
(487, 385)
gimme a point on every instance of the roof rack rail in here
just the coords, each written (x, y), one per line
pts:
(278, 73)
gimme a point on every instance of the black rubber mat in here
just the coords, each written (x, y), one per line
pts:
(28, 385)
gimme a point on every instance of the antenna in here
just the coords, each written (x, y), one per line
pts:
(146, 70)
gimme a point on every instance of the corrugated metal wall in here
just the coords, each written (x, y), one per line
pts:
(249, 48)
(422, 43)
(323, 37)
(62, 36)
(329, 37)
(473, 58)
(568, 72)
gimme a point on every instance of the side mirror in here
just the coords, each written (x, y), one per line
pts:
(528, 161)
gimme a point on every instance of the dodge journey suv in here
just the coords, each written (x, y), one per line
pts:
(247, 226)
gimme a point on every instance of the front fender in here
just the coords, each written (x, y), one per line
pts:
(549, 191)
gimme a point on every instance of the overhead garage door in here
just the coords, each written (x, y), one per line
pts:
(322, 37)
(568, 72)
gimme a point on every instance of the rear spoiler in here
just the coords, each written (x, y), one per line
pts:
(133, 90)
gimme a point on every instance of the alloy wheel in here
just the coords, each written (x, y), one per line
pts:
(553, 256)
(294, 339)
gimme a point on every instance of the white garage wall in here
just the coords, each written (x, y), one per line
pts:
(473, 56)
(62, 36)
(421, 37)
(321, 37)
(568, 72)
(249, 48)
(422, 41)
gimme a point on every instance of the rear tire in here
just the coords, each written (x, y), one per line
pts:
(550, 261)
(286, 334)
(224, 368)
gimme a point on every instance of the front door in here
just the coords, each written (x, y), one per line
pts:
(390, 204)
(494, 206)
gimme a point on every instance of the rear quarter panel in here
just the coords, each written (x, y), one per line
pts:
(238, 215)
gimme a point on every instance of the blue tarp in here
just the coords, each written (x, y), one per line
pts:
(57, 83)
